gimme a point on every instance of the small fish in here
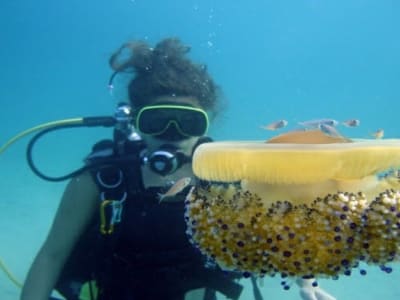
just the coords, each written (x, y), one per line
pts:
(275, 125)
(351, 123)
(378, 134)
(329, 130)
(315, 124)
(176, 188)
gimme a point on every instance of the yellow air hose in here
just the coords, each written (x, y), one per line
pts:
(9, 274)
(73, 121)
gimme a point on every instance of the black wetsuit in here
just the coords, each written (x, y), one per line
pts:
(153, 258)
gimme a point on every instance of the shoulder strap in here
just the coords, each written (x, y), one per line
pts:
(112, 171)
(108, 163)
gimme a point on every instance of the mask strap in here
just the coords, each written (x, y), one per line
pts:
(201, 140)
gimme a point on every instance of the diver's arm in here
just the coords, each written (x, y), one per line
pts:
(75, 211)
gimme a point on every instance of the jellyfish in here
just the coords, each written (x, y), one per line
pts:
(301, 205)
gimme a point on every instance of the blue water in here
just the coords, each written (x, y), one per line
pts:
(291, 59)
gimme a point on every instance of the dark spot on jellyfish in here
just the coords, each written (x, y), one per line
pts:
(235, 255)
(224, 249)
(347, 272)
(363, 272)
(224, 227)
(345, 262)
(274, 249)
(283, 275)
(306, 251)
(307, 259)
(337, 238)
(240, 244)
(315, 284)
(224, 241)
(219, 221)
(365, 245)
(269, 240)
(392, 208)
(350, 240)
(245, 259)
(297, 263)
(343, 217)
(246, 274)
(387, 269)
(194, 222)
(286, 287)
(287, 253)
(353, 225)
(240, 225)
(345, 208)
(279, 237)
(291, 235)
(398, 215)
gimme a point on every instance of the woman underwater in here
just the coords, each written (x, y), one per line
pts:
(138, 248)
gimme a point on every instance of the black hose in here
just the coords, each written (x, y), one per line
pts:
(32, 165)
(86, 122)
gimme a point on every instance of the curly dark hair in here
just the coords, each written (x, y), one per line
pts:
(164, 70)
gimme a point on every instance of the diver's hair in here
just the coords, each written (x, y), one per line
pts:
(164, 71)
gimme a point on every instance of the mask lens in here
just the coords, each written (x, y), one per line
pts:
(193, 123)
(189, 121)
(152, 121)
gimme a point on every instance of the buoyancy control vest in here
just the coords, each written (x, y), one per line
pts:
(136, 248)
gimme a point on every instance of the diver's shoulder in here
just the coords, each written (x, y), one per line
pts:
(83, 184)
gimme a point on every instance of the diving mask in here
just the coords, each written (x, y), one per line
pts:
(157, 119)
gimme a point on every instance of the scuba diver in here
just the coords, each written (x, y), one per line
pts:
(112, 236)
(119, 231)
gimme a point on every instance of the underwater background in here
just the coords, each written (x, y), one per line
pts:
(289, 59)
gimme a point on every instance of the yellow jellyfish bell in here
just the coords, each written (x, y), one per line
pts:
(299, 170)
(301, 204)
